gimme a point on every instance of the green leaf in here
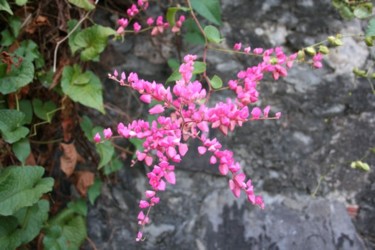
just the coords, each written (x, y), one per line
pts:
(199, 67)
(94, 190)
(138, 144)
(22, 149)
(22, 187)
(84, 4)
(171, 14)
(28, 50)
(5, 6)
(193, 34)
(23, 226)
(43, 110)
(21, 2)
(212, 34)
(209, 9)
(10, 35)
(27, 109)
(89, 95)
(216, 82)
(67, 230)
(362, 12)
(17, 78)
(106, 151)
(79, 206)
(92, 41)
(87, 126)
(11, 128)
(113, 166)
(173, 64)
(370, 31)
(175, 76)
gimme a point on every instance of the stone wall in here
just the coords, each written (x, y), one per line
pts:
(328, 121)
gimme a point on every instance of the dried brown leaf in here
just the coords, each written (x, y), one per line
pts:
(84, 180)
(69, 159)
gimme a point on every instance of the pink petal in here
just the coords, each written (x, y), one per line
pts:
(202, 150)
(170, 177)
(182, 149)
(157, 109)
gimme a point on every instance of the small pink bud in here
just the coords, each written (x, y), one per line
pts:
(266, 111)
(137, 27)
(237, 46)
(107, 133)
(148, 160)
(157, 109)
(258, 51)
(182, 149)
(150, 21)
(213, 159)
(150, 193)
(247, 50)
(155, 200)
(145, 98)
(256, 113)
(202, 150)
(123, 76)
(143, 204)
(139, 236)
(278, 115)
(97, 138)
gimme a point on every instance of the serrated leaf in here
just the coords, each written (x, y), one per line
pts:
(21, 149)
(95, 190)
(84, 4)
(212, 34)
(67, 230)
(22, 187)
(208, 9)
(11, 128)
(89, 95)
(43, 110)
(5, 6)
(23, 226)
(17, 78)
(92, 41)
(216, 82)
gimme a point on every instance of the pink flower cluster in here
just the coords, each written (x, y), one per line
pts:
(165, 140)
(157, 26)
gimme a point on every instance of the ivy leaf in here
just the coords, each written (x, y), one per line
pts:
(79, 206)
(17, 78)
(193, 34)
(22, 187)
(216, 82)
(87, 126)
(5, 6)
(89, 94)
(92, 41)
(28, 50)
(209, 9)
(23, 226)
(94, 191)
(43, 110)
(22, 149)
(212, 34)
(370, 31)
(84, 4)
(11, 128)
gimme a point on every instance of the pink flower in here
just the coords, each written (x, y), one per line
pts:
(237, 46)
(247, 50)
(258, 51)
(97, 138)
(266, 111)
(317, 61)
(150, 193)
(150, 21)
(278, 115)
(145, 98)
(202, 150)
(143, 204)
(237, 183)
(157, 109)
(137, 27)
(256, 113)
(139, 236)
(107, 133)
(123, 22)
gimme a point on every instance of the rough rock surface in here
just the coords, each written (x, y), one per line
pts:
(301, 163)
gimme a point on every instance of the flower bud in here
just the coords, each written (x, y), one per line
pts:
(311, 51)
(359, 72)
(368, 40)
(301, 55)
(323, 49)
